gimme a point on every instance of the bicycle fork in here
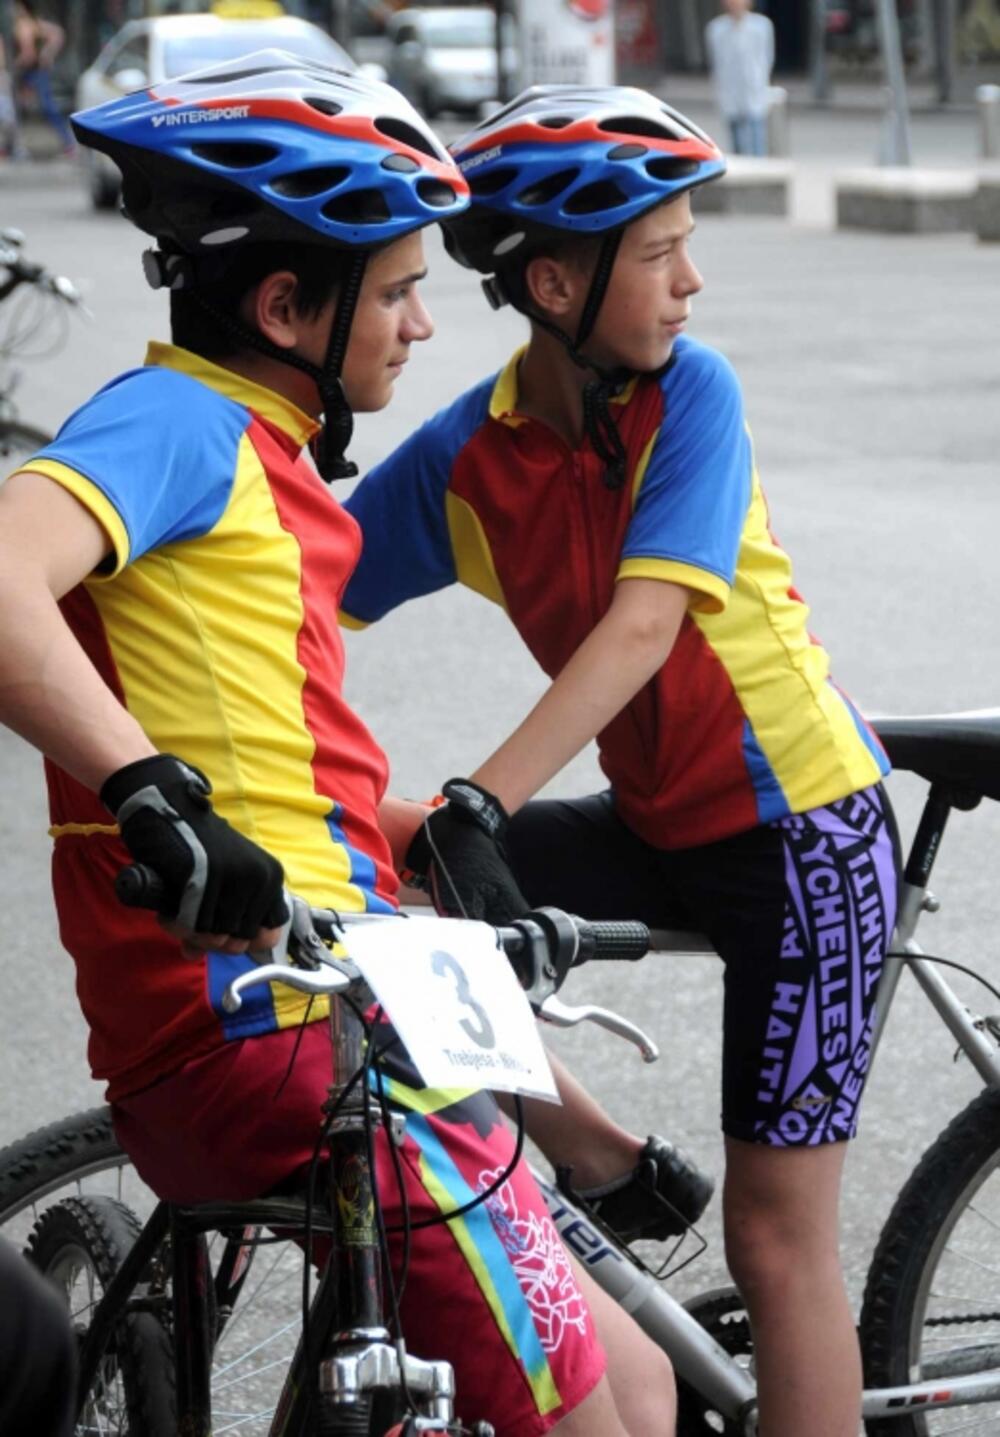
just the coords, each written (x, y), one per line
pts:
(359, 1360)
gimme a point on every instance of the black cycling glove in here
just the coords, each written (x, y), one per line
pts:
(216, 880)
(458, 856)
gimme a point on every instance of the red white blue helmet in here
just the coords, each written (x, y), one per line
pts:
(572, 159)
(271, 147)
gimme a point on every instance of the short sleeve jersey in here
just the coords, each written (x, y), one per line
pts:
(743, 724)
(214, 622)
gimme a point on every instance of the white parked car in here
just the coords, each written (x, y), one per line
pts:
(445, 58)
(146, 52)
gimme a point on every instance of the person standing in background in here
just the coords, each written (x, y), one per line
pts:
(37, 43)
(740, 47)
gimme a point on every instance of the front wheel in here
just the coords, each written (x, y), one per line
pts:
(78, 1245)
(932, 1300)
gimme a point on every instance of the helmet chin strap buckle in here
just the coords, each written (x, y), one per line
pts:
(168, 271)
(494, 291)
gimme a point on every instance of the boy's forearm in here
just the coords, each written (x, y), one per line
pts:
(399, 819)
(609, 668)
(50, 692)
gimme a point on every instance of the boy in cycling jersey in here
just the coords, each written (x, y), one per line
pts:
(188, 700)
(602, 488)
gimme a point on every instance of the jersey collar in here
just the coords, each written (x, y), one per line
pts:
(270, 405)
(503, 400)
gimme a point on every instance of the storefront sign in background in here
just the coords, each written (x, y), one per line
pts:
(566, 42)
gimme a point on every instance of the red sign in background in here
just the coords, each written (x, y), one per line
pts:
(637, 40)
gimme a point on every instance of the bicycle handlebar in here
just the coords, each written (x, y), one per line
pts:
(542, 947)
(24, 271)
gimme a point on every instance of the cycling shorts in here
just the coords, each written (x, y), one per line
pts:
(492, 1292)
(800, 910)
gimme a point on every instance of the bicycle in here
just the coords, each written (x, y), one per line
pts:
(28, 321)
(148, 1341)
(931, 1343)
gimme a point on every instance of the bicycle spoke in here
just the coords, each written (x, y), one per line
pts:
(264, 1367)
(243, 1357)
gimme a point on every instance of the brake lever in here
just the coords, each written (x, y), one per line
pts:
(298, 945)
(553, 1010)
(330, 980)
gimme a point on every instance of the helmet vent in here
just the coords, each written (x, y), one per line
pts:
(627, 152)
(636, 125)
(548, 188)
(406, 134)
(493, 181)
(436, 193)
(670, 167)
(593, 199)
(306, 183)
(556, 122)
(402, 164)
(229, 77)
(358, 207)
(235, 156)
(323, 105)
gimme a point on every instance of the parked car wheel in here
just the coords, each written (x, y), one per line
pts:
(102, 187)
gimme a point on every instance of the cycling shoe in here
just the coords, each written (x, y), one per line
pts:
(661, 1197)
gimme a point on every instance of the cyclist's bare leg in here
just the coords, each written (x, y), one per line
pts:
(780, 1208)
(637, 1397)
(578, 1133)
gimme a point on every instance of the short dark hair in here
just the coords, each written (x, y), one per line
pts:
(317, 268)
(580, 250)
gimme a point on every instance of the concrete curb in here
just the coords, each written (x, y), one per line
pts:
(905, 201)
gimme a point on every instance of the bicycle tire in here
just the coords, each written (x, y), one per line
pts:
(79, 1157)
(915, 1322)
(19, 442)
(133, 1390)
(48, 1158)
(722, 1313)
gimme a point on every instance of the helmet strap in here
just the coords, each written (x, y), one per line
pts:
(598, 422)
(329, 446)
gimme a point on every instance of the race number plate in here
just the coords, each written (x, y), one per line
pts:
(453, 999)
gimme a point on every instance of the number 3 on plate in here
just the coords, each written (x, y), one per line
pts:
(480, 1031)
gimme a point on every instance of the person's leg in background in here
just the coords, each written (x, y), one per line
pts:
(40, 81)
(738, 135)
(757, 135)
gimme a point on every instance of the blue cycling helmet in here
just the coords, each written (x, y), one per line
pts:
(270, 148)
(569, 159)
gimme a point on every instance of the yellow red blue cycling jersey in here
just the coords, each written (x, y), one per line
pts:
(214, 622)
(743, 724)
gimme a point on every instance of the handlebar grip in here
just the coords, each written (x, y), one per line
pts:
(618, 941)
(138, 886)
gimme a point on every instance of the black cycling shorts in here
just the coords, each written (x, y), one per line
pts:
(801, 912)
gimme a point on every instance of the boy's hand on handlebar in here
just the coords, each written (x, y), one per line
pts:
(221, 890)
(458, 855)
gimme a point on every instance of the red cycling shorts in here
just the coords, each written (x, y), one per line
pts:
(492, 1292)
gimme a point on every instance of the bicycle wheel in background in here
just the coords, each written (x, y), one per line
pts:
(17, 443)
(79, 1159)
(78, 1245)
(932, 1300)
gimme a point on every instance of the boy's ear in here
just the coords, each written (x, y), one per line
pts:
(270, 307)
(551, 285)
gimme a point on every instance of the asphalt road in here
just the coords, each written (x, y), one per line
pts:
(872, 375)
